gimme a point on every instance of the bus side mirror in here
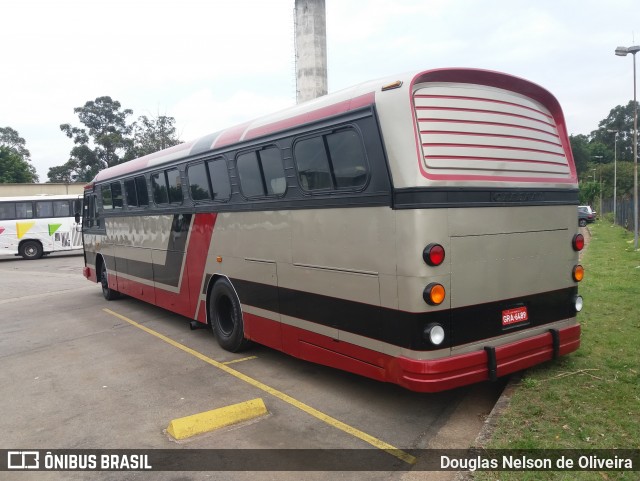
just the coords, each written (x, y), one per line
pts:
(77, 217)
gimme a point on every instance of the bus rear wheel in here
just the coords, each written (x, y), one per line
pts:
(31, 250)
(108, 293)
(225, 316)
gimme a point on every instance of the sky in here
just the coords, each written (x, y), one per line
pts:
(213, 64)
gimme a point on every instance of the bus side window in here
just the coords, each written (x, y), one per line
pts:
(61, 208)
(311, 159)
(141, 191)
(159, 186)
(116, 195)
(130, 193)
(24, 210)
(7, 210)
(44, 209)
(198, 182)
(347, 157)
(261, 173)
(107, 202)
(332, 161)
(175, 186)
(273, 171)
(219, 175)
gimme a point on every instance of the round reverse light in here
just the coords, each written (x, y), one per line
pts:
(579, 303)
(434, 294)
(578, 242)
(433, 254)
(578, 273)
(434, 333)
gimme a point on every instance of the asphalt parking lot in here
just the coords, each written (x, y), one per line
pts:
(79, 372)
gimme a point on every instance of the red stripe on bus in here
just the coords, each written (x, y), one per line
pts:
(308, 117)
(494, 124)
(484, 134)
(498, 147)
(492, 159)
(484, 111)
(231, 135)
(481, 99)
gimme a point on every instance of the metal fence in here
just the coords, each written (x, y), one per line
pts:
(624, 211)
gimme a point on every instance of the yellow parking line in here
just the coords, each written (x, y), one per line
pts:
(240, 360)
(398, 453)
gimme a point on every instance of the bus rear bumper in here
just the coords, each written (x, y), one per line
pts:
(478, 366)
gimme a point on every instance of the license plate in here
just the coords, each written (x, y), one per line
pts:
(517, 315)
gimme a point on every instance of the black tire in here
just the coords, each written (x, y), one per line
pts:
(225, 316)
(582, 223)
(108, 293)
(31, 250)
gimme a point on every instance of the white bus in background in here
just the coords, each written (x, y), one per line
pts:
(33, 226)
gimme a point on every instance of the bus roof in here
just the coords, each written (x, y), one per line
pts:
(364, 95)
(27, 198)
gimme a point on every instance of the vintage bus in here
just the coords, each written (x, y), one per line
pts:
(33, 226)
(419, 230)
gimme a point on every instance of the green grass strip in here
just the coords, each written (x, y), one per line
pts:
(589, 399)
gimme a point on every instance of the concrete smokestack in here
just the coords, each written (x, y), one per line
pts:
(311, 49)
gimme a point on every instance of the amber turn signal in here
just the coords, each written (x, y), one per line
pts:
(578, 273)
(434, 294)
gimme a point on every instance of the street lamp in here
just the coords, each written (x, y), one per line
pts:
(615, 171)
(622, 52)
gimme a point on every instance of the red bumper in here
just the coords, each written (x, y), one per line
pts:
(452, 372)
(89, 274)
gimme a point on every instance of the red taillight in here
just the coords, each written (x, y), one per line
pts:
(433, 254)
(578, 242)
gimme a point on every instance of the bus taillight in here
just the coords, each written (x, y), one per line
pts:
(578, 242)
(434, 294)
(434, 333)
(578, 273)
(433, 254)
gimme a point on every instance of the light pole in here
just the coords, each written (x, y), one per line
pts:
(615, 171)
(622, 52)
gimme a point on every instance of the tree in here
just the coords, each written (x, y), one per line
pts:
(10, 138)
(14, 168)
(103, 142)
(620, 118)
(581, 152)
(151, 135)
(14, 165)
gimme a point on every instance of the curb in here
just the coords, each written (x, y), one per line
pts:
(200, 423)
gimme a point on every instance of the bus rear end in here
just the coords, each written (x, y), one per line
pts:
(487, 230)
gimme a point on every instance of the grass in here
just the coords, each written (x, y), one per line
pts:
(589, 399)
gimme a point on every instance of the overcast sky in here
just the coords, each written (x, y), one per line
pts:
(213, 64)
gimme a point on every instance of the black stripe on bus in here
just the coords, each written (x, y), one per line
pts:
(404, 329)
(443, 197)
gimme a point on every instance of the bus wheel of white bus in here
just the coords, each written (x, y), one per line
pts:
(226, 317)
(31, 250)
(108, 293)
